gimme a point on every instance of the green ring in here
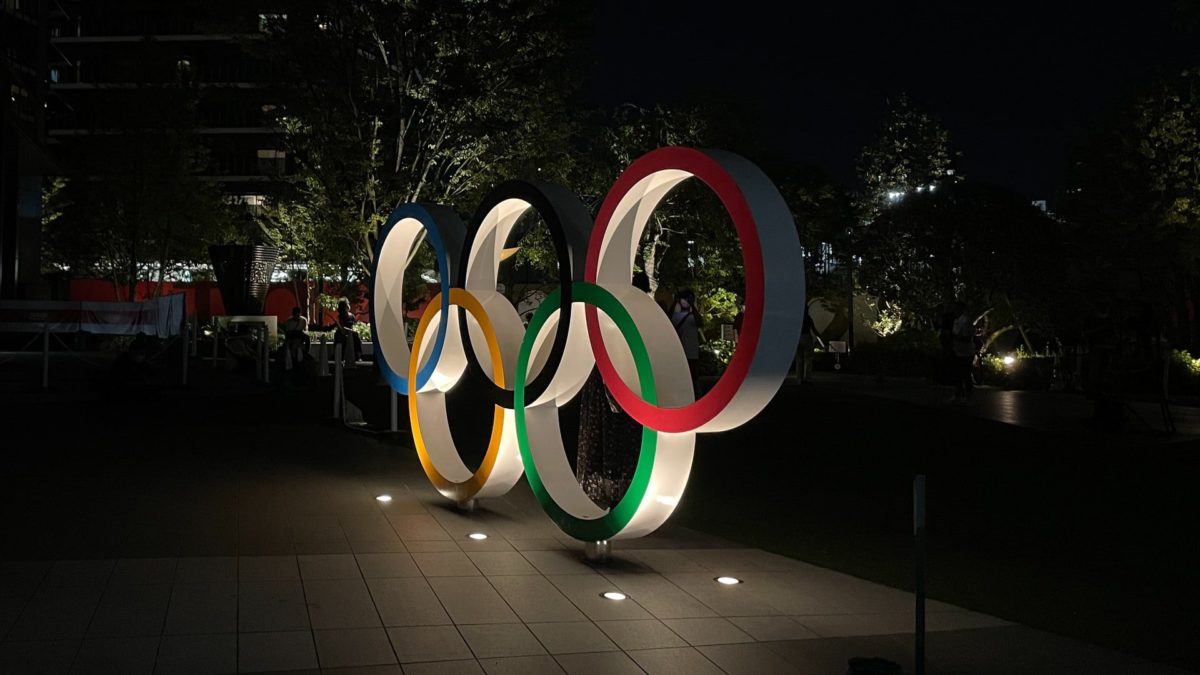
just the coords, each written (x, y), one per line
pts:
(619, 516)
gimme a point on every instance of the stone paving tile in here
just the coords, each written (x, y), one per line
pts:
(766, 628)
(271, 606)
(641, 634)
(203, 570)
(611, 663)
(659, 596)
(73, 573)
(20, 578)
(197, 655)
(498, 563)
(395, 546)
(749, 659)
(128, 611)
(430, 545)
(202, 608)
(266, 652)
(501, 639)
(407, 602)
(116, 656)
(676, 661)
(56, 613)
(558, 561)
(340, 603)
(378, 565)
(713, 631)
(428, 643)
(537, 544)
(522, 665)
(465, 667)
(568, 637)
(490, 544)
(472, 600)
(52, 657)
(268, 568)
(535, 599)
(445, 564)
(143, 571)
(739, 600)
(585, 590)
(393, 669)
(337, 566)
(417, 528)
(353, 647)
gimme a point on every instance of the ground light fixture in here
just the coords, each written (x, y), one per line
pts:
(613, 595)
(728, 581)
(477, 536)
(383, 499)
(1009, 360)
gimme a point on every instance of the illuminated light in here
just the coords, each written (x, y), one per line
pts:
(477, 536)
(728, 581)
(384, 498)
(667, 501)
(1009, 360)
(613, 595)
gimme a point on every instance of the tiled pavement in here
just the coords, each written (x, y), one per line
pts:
(311, 574)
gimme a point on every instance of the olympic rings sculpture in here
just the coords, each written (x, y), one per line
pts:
(595, 317)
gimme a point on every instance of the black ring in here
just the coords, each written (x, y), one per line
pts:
(570, 227)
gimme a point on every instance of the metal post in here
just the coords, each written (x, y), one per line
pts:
(216, 345)
(395, 410)
(337, 381)
(195, 336)
(919, 541)
(323, 359)
(183, 348)
(46, 357)
(287, 356)
(266, 351)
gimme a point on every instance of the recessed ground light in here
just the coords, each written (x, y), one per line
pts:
(613, 595)
(384, 498)
(477, 536)
(728, 581)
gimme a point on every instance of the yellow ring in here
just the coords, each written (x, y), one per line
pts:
(467, 489)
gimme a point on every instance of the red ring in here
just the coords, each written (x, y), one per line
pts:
(693, 415)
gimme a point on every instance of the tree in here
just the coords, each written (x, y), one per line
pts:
(390, 101)
(981, 244)
(136, 203)
(1134, 210)
(911, 152)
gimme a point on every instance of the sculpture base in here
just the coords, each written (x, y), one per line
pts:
(597, 551)
(467, 506)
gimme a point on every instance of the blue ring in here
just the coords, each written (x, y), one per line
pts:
(397, 381)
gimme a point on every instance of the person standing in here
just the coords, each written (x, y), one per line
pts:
(964, 352)
(687, 327)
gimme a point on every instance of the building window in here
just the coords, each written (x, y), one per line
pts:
(54, 75)
(272, 162)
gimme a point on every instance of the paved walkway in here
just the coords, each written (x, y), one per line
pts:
(1042, 410)
(223, 566)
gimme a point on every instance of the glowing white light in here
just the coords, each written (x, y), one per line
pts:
(613, 595)
(1009, 360)
(728, 581)
(477, 536)
(384, 498)
(669, 501)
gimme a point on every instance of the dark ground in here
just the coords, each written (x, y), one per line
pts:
(1081, 534)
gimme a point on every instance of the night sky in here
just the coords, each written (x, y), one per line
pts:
(1016, 84)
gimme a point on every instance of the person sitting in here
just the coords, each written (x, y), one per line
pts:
(295, 339)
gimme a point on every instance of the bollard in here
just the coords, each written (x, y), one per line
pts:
(183, 348)
(195, 337)
(919, 586)
(216, 350)
(287, 356)
(322, 359)
(46, 357)
(395, 410)
(337, 381)
(266, 350)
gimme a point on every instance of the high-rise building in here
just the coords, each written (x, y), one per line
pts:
(23, 158)
(117, 63)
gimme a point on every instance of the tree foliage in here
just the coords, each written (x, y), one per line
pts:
(911, 151)
(389, 101)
